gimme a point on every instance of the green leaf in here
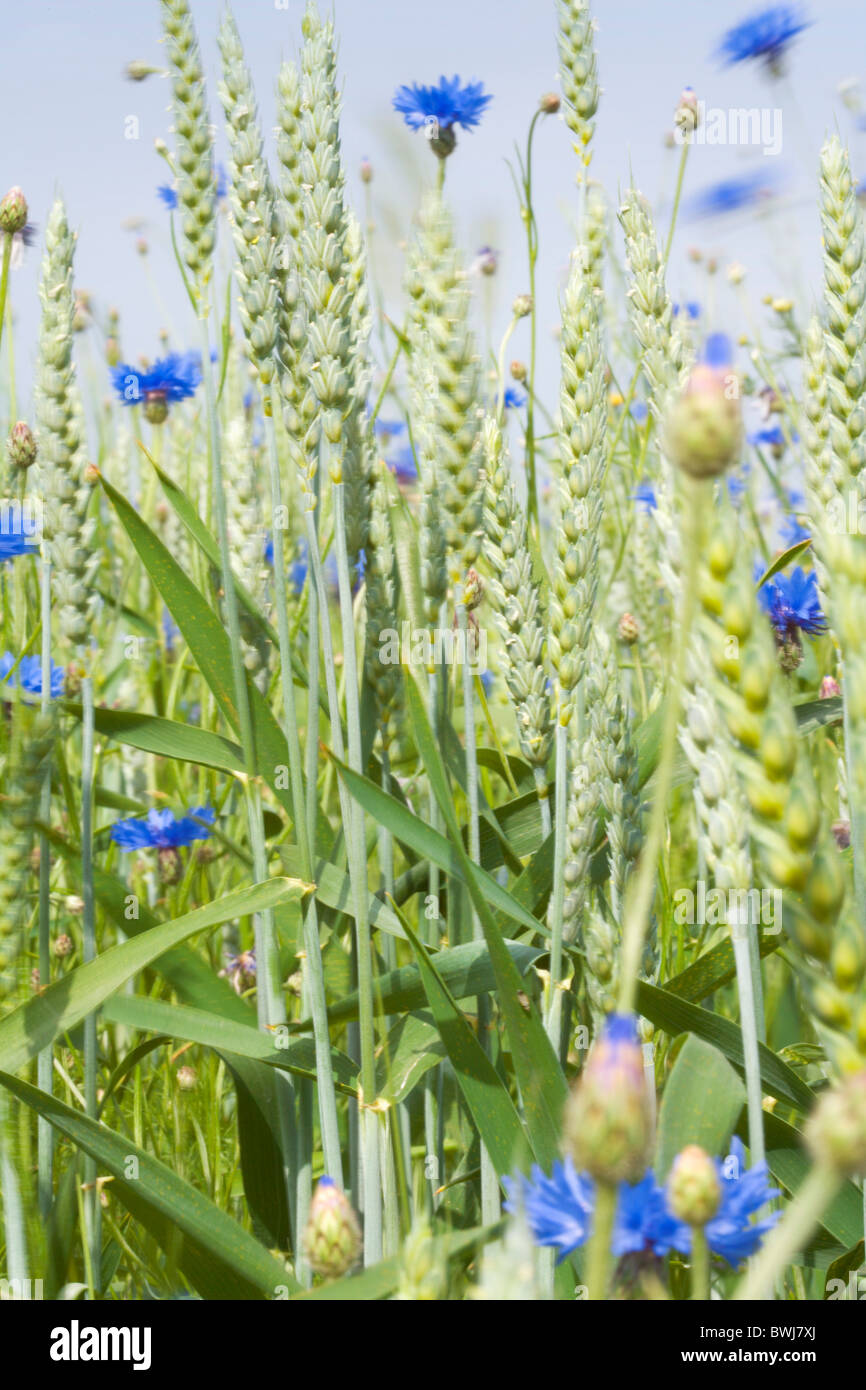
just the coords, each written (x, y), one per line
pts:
(166, 737)
(37, 1022)
(224, 1035)
(714, 969)
(220, 1259)
(411, 1048)
(381, 1280)
(815, 714)
(465, 970)
(676, 1015)
(791, 1165)
(702, 1098)
(491, 1107)
(334, 889)
(782, 561)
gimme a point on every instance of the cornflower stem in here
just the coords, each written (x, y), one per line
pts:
(700, 1266)
(313, 965)
(553, 1021)
(92, 1208)
(598, 1254)
(638, 902)
(14, 1228)
(678, 193)
(4, 281)
(490, 1209)
(356, 845)
(528, 214)
(433, 809)
(748, 1024)
(543, 801)
(269, 996)
(44, 1066)
(791, 1234)
(856, 811)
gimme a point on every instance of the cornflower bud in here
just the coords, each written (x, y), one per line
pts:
(829, 687)
(21, 446)
(522, 306)
(836, 1130)
(138, 70)
(366, 171)
(473, 590)
(518, 370)
(607, 1124)
(694, 1189)
(13, 211)
(187, 1078)
(628, 629)
(63, 946)
(704, 427)
(550, 103)
(332, 1239)
(687, 114)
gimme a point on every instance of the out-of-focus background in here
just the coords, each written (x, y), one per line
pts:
(73, 123)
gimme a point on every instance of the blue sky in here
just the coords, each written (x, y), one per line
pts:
(67, 109)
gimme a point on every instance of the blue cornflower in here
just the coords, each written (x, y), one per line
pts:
(16, 538)
(170, 630)
(764, 36)
(717, 351)
(773, 437)
(558, 1209)
(639, 411)
(513, 399)
(644, 1221)
(731, 1233)
(297, 569)
(644, 496)
(793, 604)
(691, 307)
(389, 429)
(167, 195)
(730, 195)
(442, 107)
(240, 970)
(170, 379)
(487, 679)
(29, 674)
(162, 829)
(222, 182)
(402, 464)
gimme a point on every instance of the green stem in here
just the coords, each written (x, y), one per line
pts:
(788, 1238)
(553, 1022)
(700, 1266)
(45, 1065)
(639, 900)
(677, 196)
(356, 843)
(92, 1209)
(4, 280)
(598, 1254)
(748, 1025)
(490, 1209)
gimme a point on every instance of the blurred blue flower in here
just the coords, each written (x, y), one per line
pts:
(389, 428)
(792, 602)
(29, 674)
(644, 496)
(170, 630)
(162, 829)
(731, 1233)
(717, 350)
(222, 181)
(792, 532)
(765, 36)
(730, 195)
(487, 681)
(691, 307)
(772, 437)
(513, 399)
(639, 411)
(448, 104)
(168, 196)
(172, 378)
(559, 1210)
(402, 463)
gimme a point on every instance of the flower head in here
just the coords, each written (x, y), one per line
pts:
(513, 399)
(332, 1239)
(162, 829)
(792, 602)
(240, 970)
(732, 1233)
(644, 496)
(28, 674)
(731, 195)
(170, 379)
(608, 1126)
(448, 104)
(559, 1208)
(167, 195)
(765, 37)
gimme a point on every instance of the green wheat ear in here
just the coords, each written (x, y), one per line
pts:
(196, 184)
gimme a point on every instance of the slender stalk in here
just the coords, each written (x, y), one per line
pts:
(92, 1209)
(681, 173)
(355, 839)
(740, 941)
(532, 254)
(45, 1068)
(700, 1266)
(490, 1209)
(4, 280)
(598, 1254)
(553, 1021)
(269, 996)
(13, 1209)
(312, 945)
(639, 899)
(791, 1234)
